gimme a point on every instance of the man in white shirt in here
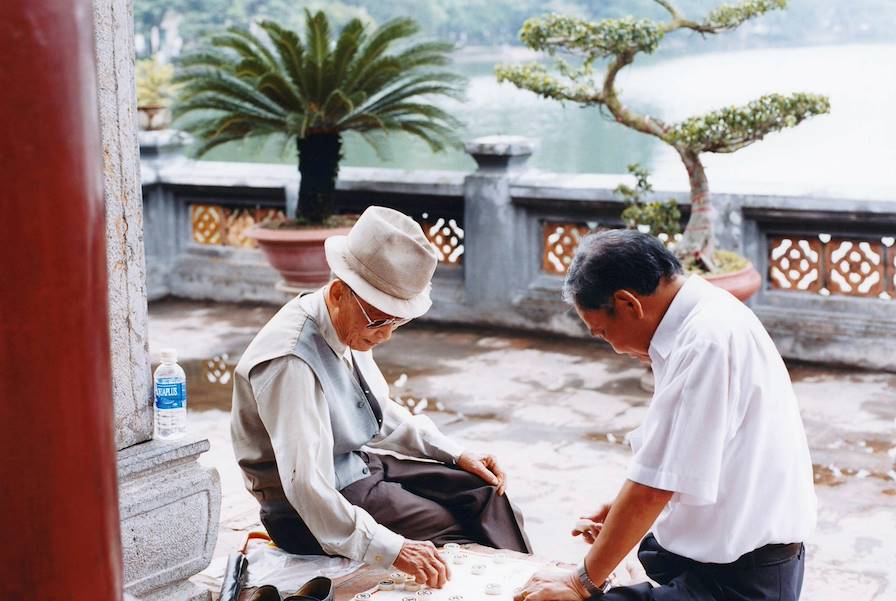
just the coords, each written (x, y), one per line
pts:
(721, 469)
(309, 404)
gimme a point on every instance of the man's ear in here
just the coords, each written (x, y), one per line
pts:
(628, 303)
(337, 291)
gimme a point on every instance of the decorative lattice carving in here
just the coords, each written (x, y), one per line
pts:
(214, 224)
(827, 265)
(445, 236)
(560, 243)
(236, 222)
(855, 268)
(795, 263)
(208, 221)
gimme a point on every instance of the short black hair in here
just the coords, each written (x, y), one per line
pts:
(614, 260)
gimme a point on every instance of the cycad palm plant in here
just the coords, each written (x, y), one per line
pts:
(311, 89)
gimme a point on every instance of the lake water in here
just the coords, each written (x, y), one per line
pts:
(848, 153)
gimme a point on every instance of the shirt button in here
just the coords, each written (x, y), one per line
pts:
(378, 558)
(360, 404)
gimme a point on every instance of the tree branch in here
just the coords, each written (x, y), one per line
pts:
(669, 7)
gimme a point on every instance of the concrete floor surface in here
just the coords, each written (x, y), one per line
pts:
(555, 412)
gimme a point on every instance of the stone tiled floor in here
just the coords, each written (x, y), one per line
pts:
(555, 412)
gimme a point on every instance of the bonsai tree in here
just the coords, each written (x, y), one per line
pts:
(619, 41)
(312, 89)
(660, 218)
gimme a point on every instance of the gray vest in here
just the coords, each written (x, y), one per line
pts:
(355, 414)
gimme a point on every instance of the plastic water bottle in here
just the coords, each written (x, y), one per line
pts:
(170, 383)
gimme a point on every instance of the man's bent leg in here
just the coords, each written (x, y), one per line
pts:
(402, 511)
(287, 529)
(486, 517)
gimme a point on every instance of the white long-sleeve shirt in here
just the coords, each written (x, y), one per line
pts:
(291, 406)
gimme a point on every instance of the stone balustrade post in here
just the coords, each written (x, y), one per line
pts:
(495, 262)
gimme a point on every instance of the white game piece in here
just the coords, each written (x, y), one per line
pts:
(478, 569)
(451, 547)
(412, 586)
(386, 585)
(500, 558)
(493, 588)
(583, 526)
(456, 598)
(409, 599)
(459, 559)
(424, 592)
(362, 597)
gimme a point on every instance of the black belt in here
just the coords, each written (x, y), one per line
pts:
(767, 555)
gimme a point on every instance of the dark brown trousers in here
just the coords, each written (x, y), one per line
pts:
(419, 500)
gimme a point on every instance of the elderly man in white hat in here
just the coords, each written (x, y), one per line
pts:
(310, 405)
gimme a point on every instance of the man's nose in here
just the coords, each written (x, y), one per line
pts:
(383, 334)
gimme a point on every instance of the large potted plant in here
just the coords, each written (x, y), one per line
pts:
(311, 89)
(618, 42)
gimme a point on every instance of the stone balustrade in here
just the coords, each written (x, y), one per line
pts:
(505, 235)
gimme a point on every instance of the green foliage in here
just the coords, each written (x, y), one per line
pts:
(594, 40)
(730, 16)
(283, 83)
(155, 85)
(535, 78)
(734, 127)
(310, 88)
(660, 218)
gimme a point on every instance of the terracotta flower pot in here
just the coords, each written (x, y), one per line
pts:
(154, 117)
(297, 254)
(742, 284)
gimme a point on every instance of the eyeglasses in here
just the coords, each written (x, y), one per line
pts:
(373, 324)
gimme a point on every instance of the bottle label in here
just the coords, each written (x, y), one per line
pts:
(171, 395)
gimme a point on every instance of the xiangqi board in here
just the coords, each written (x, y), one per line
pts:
(474, 577)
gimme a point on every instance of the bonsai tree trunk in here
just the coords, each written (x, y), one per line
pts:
(698, 241)
(319, 156)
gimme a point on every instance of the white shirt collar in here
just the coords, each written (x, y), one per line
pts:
(316, 306)
(684, 302)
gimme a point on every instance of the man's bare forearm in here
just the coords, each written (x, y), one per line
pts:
(635, 509)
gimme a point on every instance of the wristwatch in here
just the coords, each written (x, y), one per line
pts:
(594, 591)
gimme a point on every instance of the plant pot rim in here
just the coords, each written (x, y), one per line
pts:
(261, 233)
(748, 268)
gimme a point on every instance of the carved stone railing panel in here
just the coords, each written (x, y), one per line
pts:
(446, 237)
(560, 243)
(226, 226)
(827, 265)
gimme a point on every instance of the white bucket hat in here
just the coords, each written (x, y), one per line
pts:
(387, 261)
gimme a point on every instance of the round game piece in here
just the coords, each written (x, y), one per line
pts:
(362, 597)
(409, 599)
(500, 558)
(412, 586)
(493, 588)
(478, 569)
(456, 598)
(451, 547)
(396, 577)
(459, 558)
(386, 585)
(424, 592)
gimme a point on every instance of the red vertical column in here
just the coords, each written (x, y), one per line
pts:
(58, 497)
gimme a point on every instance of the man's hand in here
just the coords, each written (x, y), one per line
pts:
(596, 522)
(552, 584)
(484, 466)
(421, 560)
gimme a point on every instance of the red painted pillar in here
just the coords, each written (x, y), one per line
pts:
(58, 496)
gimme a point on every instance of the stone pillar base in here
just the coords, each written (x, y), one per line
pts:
(170, 508)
